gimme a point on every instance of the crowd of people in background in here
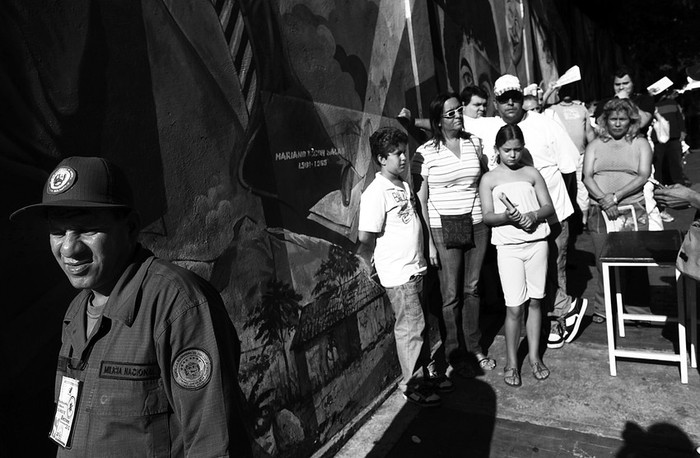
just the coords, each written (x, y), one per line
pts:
(528, 180)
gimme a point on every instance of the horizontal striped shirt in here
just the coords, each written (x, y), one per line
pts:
(453, 183)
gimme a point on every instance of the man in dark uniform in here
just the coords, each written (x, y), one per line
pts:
(149, 361)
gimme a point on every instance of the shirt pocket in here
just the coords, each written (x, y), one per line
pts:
(130, 398)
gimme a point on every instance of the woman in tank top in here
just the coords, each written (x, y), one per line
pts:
(616, 166)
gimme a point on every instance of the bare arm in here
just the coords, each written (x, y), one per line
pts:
(677, 196)
(606, 201)
(422, 123)
(645, 118)
(643, 171)
(368, 241)
(420, 183)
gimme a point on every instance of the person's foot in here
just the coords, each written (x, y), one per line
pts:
(485, 363)
(421, 396)
(598, 318)
(666, 217)
(512, 376)
(440, 382)
(572, 320)
(556, 336)
(539, 370)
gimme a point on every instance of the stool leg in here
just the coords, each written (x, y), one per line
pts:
(682, 343)
(618, 303)
(609, 322)
(690, 297)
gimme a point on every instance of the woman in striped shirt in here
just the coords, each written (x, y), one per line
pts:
(446, 173)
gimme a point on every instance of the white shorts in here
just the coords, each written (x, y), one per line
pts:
(523, 271)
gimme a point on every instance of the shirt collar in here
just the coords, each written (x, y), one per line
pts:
(121, 304)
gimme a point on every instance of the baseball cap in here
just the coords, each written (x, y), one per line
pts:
(82, 182)
(506, 83)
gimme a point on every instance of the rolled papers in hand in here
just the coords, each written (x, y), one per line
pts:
(506, 201)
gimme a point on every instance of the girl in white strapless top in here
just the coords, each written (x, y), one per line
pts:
(516, 204)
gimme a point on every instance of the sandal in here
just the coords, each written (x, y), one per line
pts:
(485, 363)
(421, 397)
(597, 318)
(539, 370)
(512, 376)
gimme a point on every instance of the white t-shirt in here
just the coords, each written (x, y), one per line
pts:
(390, 212)
(573, 118)
(453, 183)
(552, 151)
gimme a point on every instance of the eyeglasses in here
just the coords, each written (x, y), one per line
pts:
(515, 96)
(457, 112)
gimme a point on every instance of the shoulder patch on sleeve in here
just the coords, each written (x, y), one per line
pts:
(192, 369)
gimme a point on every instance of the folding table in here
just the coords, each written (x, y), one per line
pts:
(646, 249)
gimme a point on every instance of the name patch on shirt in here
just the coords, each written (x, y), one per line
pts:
(129, 371)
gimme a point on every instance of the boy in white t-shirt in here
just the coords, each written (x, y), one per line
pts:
(390, 233)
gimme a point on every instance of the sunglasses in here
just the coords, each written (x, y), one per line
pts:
(457, 112)
(515, 96)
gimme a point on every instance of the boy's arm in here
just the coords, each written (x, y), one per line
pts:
(368, 241)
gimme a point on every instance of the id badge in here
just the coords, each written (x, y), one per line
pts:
(65, 410)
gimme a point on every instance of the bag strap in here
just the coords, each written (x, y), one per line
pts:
(476, 193)
(479, 154)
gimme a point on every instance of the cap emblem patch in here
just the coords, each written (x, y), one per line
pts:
(61, 180)
(192, 369)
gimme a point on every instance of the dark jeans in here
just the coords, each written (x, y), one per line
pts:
(458, 276)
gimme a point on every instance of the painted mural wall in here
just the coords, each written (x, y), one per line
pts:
(243, 126)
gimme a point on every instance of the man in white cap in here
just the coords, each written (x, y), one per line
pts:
(149, 360)
(553, 153)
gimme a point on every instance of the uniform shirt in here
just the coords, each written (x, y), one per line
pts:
(158, 377)
(389, 211)
(453, 183)
(552, 151)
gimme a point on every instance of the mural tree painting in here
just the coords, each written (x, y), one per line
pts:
(337, 273)
(276, 316)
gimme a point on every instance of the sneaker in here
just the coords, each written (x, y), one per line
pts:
(572, 320)
(556, 335)
(666, 217)
(421, 397)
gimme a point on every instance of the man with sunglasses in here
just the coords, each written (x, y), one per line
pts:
(553, 153)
